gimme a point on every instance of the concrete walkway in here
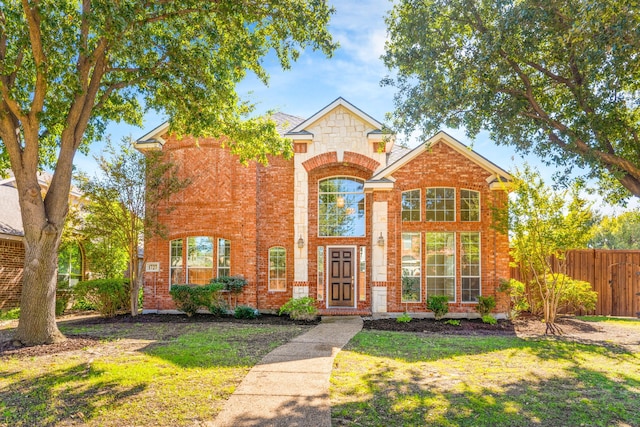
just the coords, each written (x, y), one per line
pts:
(290, 385)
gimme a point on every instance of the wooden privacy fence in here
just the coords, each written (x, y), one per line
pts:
(613, 274)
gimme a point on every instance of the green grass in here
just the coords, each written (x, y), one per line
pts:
(623, 321)
(143, 374)
(11, 314)
(400, 379)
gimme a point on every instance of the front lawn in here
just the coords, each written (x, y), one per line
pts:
(407, 379)
(160, 374)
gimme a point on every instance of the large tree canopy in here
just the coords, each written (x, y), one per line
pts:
(559, 78)
(68, 67)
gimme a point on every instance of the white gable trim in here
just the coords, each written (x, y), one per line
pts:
(154, 135)
(338, 102)
(451, 142)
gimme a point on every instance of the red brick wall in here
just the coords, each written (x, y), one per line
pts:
(11, 270)
(219, 202)
(441, 166)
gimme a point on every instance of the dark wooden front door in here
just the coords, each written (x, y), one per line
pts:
(341, 277)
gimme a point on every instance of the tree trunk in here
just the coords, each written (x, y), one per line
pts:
(37, 324)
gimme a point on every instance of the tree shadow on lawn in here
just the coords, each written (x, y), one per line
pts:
(411, 347)
(583, 397)
(54, 397)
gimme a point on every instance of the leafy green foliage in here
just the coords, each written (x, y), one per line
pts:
(577, 294)
(63, 296)
(300, 308)
(544, 224)
(439, 304)
(452, 322)
(486, 305)
(560, 79)
(245, 312)
(233, 284)
(404, 318)
(487, 318)
(109, 296)
(11, 314)
(617, 232)
(191, 298)
(517, 296)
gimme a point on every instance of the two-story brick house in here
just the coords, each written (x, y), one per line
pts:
(353, 220)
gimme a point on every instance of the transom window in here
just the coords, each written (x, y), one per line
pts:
(341, 207)
(411, 205)
(277, 269)
(440, 204)
(469, 205)
(441, 264)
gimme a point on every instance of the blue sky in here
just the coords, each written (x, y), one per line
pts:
(354, 72)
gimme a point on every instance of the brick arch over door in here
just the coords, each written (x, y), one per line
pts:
(352, 158)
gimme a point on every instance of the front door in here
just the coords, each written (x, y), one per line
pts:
(341, 277)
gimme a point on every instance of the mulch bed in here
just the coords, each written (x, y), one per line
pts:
(466, 327)
(73, 342)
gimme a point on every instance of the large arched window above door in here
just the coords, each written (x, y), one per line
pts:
(341, 207)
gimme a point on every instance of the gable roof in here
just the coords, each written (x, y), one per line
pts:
(498, 174)
(340, 101)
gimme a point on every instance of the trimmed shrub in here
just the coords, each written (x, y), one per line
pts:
(109, 296)
(11, 314)
(245, 312)
(452, 322)
(577, 295)
(191, 298)
(485, 305)
(63, 296)
(487, 318)
(404, 318)
(439, 304)
(233, 284)
(300, 309)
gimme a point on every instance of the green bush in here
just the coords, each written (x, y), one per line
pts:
(233, 284)
(439, 304)
(245, 312)
(191, 298)
(404, 318)
(82, 305)
(300, 308)
(109, 296)
(63, 296)
(453, 322)
(576, 295)
(516, 291)
(487, 318)
(11, 314)
(486, 305)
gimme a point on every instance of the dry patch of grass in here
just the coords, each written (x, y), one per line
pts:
(403, 379)
(140, 374)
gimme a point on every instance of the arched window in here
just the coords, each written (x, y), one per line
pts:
(341, 207)
(277, 269)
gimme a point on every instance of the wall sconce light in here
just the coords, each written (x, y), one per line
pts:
(340, 202)
(301, 242)
(381, 240)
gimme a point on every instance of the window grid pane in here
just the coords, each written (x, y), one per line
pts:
(470, 266)
(440, 264)
(440, 204)
(411, 205)
(277, 269)
(175, 274)
(224, 257)
(469, 205)
(411, 267)
(199, 260)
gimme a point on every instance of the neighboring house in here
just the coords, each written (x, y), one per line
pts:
(353, 220)
(70, 260)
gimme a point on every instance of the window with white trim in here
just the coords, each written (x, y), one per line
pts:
(277, 269)
(411, 267)
(440, 266)
(175, 263)
(470, 266)
(199, 260)
(469, 205)
(411, 205)
(224, 258)
(440, 204)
